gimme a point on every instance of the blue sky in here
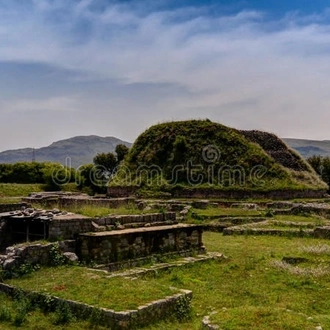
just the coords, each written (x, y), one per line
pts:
(113, 68)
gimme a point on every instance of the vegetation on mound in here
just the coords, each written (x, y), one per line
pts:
(204, 154)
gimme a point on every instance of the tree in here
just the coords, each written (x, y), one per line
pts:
(121, 151)
(107, 161)
(321, 166)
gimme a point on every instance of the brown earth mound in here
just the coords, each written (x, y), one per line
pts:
(277, 149)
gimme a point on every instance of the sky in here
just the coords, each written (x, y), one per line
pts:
(114, 68)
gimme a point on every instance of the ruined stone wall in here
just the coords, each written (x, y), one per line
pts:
(130, 319)
(33, 253)
(59, 201)
(101, 202)
(124, 191)
(113, 246)
(12, 207)
(71, 228)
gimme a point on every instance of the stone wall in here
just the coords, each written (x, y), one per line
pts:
(33, 253)
(101, 202)
(143, 315)
(69, 228)
(118, 245)
(63, 201)
(124, 191)
(12, 207)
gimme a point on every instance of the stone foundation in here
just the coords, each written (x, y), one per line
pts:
(143, 315)
(63, 200)
(70, 226)
(119, 245)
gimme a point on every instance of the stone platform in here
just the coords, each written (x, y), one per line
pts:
(118, 245)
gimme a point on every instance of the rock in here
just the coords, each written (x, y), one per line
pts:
(119, 226)
(206, 324)
(294, 260)
(147, 208)
(141, 205)
(70, 256)
(184, 212)
(201, 204)
(322, 232)
(10, 264)
(98, 228)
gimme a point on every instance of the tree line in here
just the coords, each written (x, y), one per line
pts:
(91, 178)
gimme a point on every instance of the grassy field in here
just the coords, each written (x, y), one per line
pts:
(92, 211)
(12, 192)
(17, 314)
(94, 287)
(252, 289)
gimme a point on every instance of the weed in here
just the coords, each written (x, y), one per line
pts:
(269, 213)
(55, 255)
(63, 314)
(183, 309)
(5, 314)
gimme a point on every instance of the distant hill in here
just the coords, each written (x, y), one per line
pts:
(80, 149)
(309, 148)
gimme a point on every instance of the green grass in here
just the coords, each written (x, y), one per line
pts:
(94, 288)
(95, 211)
(298, 218)
(18, 190)
(251, 289)
(263, 318)
(12, 311)
(248, 292)
(213, 212)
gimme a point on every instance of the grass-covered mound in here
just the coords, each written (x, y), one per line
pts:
(203, 154)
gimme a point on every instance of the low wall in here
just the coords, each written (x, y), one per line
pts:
(69, 228)
(143, 315)
(118, 245)
(101, 202)
(12, 207)
(74, 201)
(33, 253)
(122, 191)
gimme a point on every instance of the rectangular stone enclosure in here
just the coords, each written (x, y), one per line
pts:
(118, 245)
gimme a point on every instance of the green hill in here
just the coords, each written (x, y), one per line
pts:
(80, 150)
(204, 154)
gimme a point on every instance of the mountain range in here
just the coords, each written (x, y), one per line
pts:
(308, 148)
(78, 150)
(81, 150)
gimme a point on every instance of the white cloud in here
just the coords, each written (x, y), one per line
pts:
(240, 69)
(52, 104)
